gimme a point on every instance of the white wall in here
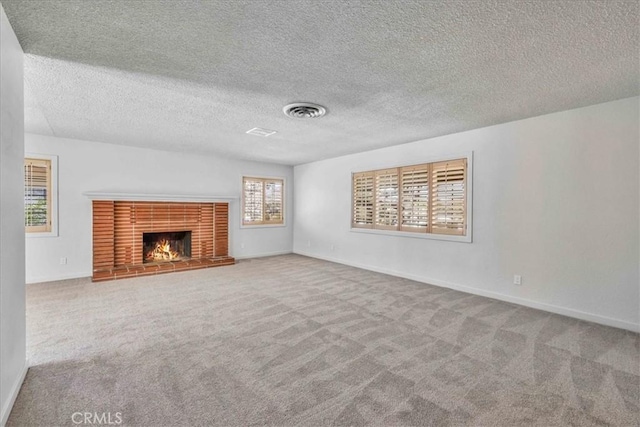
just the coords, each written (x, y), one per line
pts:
(90, 166)
(556, 200)
(12, 295)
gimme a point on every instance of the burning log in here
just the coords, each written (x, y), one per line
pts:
(162, 252)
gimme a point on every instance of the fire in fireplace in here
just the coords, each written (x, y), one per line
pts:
(163, 247)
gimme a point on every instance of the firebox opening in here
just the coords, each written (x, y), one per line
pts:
(164, 247)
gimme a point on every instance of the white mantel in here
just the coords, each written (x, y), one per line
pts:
(147, 197)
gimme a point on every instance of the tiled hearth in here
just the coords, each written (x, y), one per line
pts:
(118, 228)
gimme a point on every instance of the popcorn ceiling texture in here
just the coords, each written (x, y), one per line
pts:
(195, 76)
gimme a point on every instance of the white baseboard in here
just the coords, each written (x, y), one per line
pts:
(55, 278)
(13, 395)
(262, 255)
(569, 312)
(84, 274)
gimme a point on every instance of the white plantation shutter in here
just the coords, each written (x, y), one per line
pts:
(262, 201)
(387, 196)
(252, 201)
(414, 205)
(448, 197)
(37, 195)
(273, 201)
(363, 200)
(425, 198)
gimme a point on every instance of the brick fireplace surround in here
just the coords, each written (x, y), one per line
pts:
(118, 227)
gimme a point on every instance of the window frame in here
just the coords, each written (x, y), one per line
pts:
(262, 224)
(467, 238)
(53, 207)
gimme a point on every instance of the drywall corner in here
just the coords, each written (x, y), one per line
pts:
(12, 255)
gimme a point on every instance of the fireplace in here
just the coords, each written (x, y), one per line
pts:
(141, 238)
(165, 247)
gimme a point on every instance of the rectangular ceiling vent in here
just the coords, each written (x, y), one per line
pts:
(261, 132)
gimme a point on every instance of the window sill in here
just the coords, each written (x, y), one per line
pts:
(263, 226)
(41, 234)
(446, 237)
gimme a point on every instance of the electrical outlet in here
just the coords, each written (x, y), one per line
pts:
(517, 279)
(333, 247)
(308, 243)
(241, 245)
(63, 261)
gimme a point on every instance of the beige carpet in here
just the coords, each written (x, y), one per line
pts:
(296, 341)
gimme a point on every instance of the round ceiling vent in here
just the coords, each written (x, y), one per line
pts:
(304, 110)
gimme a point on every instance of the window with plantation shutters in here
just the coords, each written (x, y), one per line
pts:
(37, 195)
(262, 201)
(386, 193)
(273, 201)
(414, 204)
(253, 200)
(448, 197)
(363, 200)
(428, 198)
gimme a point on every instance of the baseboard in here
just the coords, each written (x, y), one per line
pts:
(569, 312)
(55, 278)
(83, 274)
(264, 254)
(6, 409)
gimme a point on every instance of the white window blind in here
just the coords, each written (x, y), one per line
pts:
(415, 198)
(363, 200)
(252, 201)
(386, 191)
(262, 201)
(448, 197)
(37, 195)
(425, 198)
(273, 200)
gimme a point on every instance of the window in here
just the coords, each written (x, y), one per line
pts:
(262, 201)
(429, 198)
(386, 194)
(363, 199)
(37, 195)
(40, 189)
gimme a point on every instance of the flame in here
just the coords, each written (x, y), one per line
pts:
(162, 252)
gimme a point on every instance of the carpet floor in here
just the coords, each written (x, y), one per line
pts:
(296, 341)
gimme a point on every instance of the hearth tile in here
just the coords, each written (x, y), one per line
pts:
(102, 275)
(103, 272)
(137, 269)
(124, 275)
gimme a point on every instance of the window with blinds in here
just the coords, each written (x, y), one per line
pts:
(425, 198)
(414, 205)
(448, 197)
(363, 200)
(37, 195)
(386, 207)
(262, 201)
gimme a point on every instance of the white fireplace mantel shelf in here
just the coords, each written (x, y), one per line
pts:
(147, 197)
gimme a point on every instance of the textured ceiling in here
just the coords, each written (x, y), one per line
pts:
(196, 75)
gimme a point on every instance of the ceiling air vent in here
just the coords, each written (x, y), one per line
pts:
(260, 132)
(304, 110)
